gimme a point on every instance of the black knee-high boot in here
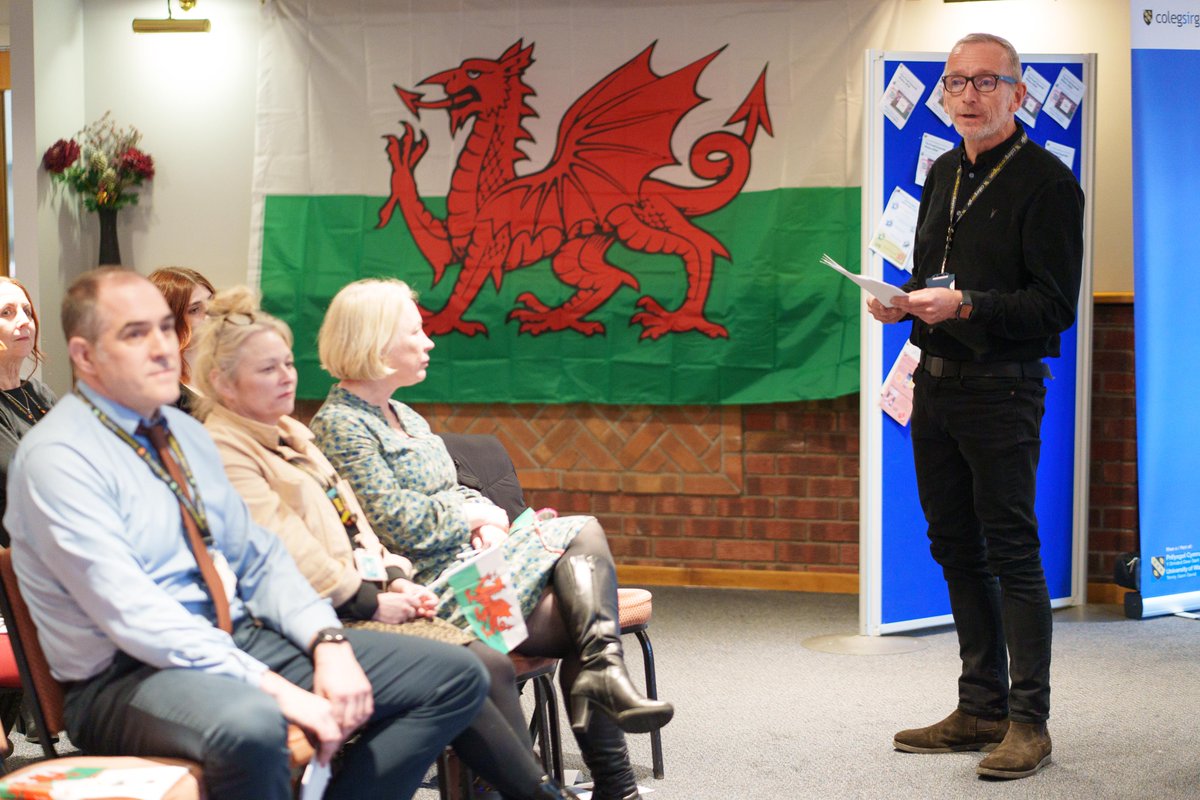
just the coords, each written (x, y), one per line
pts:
(585, 587)
(603, 749)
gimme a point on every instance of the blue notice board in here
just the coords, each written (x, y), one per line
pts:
(902, 586)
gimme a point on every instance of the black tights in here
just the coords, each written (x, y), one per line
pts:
(503, 693)
(496, 745)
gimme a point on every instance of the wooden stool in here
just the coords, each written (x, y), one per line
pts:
(636, 607)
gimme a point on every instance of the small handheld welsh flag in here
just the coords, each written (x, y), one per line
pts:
(483, 586)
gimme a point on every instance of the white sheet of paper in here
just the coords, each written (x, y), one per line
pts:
(314, 780)
(897, 229)
(1065, 154)
(583, 791)
(931, 147)
(1037, 88)
(896, 394)
(901, 96)
(1065, 97)
(885, 292)
(934, 103)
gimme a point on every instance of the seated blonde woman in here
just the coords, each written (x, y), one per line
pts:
(247, 378)
(562, 570)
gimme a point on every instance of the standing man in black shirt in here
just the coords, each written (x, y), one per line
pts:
(996, 273)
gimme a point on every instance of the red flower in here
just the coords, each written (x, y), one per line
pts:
(137, 162)
(61, 155)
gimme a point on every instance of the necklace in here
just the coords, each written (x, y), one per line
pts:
(28, 406)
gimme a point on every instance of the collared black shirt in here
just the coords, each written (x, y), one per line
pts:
(1018, 254)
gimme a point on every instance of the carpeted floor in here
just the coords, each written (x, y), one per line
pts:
(758, 715)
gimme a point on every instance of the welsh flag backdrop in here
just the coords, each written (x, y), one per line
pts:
(599, 202)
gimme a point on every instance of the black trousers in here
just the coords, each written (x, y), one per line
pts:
(425, 693)
(976, 444)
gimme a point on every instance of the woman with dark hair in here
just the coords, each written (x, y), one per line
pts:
(187, 293)
(562, 570)
(25, 401)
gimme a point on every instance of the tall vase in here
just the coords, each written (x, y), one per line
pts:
(110, 248)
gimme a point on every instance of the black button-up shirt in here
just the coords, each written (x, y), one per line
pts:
(1017, 253)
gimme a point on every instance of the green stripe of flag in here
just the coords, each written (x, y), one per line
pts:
(793, 324)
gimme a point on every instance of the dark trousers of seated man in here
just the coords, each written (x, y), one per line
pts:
(425, 693)
(976, 444)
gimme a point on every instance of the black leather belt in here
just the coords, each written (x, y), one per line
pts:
(945, 368)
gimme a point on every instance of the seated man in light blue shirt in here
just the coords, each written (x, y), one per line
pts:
(101, 548)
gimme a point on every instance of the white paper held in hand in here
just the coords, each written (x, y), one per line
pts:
(884, 292)
(314, 780)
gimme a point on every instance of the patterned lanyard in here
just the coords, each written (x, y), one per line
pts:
(191, 504)
(27, 408)
(954, 219)
(328, 485)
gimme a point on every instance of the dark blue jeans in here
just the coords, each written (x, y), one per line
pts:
(976, 443)
(425, 693)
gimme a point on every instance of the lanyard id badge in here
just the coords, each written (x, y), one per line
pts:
(370, 565)
(943, 280)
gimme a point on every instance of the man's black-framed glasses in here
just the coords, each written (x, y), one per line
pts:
(957, 84)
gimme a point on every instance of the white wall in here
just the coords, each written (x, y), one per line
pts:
(191, 95)
(193, 98)
(47, 95)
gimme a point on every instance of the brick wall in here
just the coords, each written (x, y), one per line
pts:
(754, 487)
(1112, 522)
(770, 487)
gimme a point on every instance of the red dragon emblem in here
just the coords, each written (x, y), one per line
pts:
(491, 611)
(595, 192)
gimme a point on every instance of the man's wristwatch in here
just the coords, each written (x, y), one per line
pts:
(328, 635)
(964, 308)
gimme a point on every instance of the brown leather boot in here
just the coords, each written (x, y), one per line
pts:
(1024, 751)
(954, 734)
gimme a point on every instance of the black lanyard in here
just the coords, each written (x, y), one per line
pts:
(954, 218)
(191, 504)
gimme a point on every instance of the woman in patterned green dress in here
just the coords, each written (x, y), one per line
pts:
(372, 341)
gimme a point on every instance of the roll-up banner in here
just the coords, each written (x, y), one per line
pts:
(1165, 38)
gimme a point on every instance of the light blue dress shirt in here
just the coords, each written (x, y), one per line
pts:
(102, 557)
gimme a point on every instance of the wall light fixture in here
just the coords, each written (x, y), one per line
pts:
(172, 25)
